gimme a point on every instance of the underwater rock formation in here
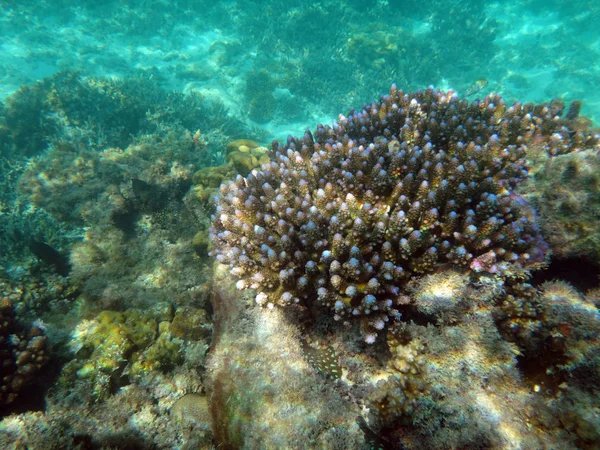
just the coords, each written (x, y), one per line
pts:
(341, 219)
(566, 194)
(403, 210)
(262, 392)
(465, 382)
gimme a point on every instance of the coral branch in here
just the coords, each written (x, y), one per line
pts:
(341, 219)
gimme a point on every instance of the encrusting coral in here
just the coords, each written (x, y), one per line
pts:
(343, 218)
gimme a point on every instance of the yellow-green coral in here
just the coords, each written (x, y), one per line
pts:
(242, 155)
(104, 345)
(191, 324)
(115, 345)
(163, 355)
(167, 351)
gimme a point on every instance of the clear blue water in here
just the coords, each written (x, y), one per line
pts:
(323, 58)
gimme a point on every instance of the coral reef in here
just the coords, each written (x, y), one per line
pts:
(23, 353)
(116, 348)
(155, 360)
(482, 356)
(71, 180)
(49, 201)
(460, 383)
(138, 217)
(101, 112)
(141, 416)
(406, 210)
(474, 397)
(128, 322)
(557, 329)
(103, 346)
(566, 193)
(388, 193)
(241, 156)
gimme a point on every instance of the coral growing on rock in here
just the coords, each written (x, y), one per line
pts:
(22, 354)
(102, 111)
(343, 218)
(104, 346)
(399, 388)
(242, 156)
(115, 348)
(566, 193)
(463, 384)
(557, 329)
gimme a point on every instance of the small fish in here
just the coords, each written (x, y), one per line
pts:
(50, 256)
(323, 360)
(574, 109)
(476, 87)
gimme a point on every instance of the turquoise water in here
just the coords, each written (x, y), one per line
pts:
(323, 58)
(119, 121)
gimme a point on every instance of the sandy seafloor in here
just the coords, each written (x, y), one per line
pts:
(108, 296)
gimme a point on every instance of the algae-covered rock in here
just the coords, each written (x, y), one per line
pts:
(191, 324)
(200, 242)
(262, 392)
(567, 198)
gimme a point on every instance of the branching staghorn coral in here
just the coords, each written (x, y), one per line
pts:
(341, 219)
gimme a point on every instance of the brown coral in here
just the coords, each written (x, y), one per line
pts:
(23, 353)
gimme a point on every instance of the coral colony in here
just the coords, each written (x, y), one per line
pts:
(344, 217)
